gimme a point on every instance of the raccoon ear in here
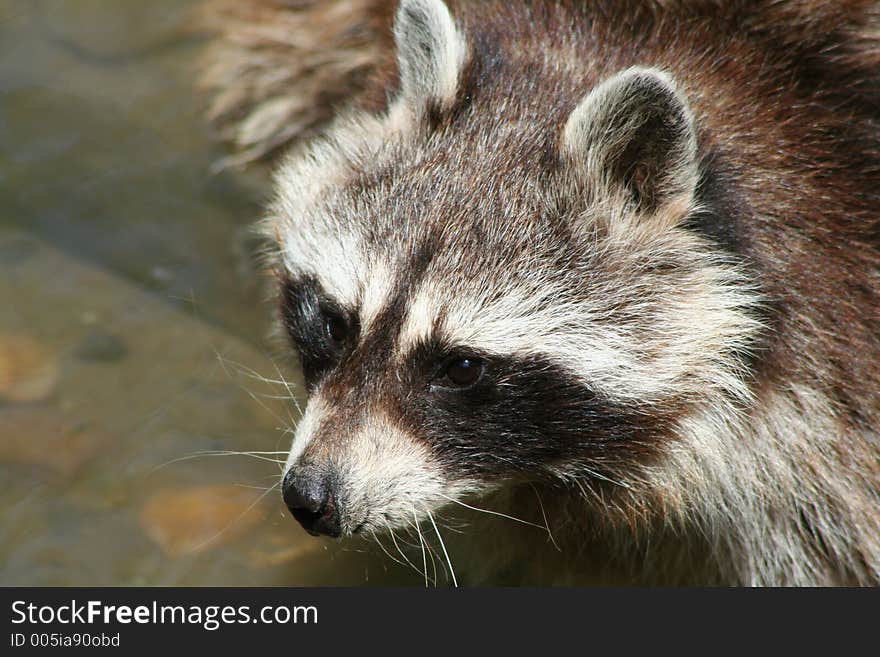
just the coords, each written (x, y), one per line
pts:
(430, 52)
(635, 132)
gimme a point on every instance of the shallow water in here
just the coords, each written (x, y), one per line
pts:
(132, 322)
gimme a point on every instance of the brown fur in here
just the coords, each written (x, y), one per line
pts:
(278, 69)
(787, 97)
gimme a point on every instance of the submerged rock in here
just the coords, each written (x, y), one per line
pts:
(28, 370)
(284, 547)
(101, 346)
(188, 520)
(33, 435)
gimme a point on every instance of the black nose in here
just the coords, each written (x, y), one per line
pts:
(311, 501)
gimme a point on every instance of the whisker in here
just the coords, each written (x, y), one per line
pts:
(443, 546)
(546, 521)
(223, 363)
(435, 577)
(431, 552)
(263, 488)
(598, 475)
(494, 513)
(381, 545)
(195, 455)
(236, 519)
(251, 373)
(422, 543)
(287, 387)
(394, 540)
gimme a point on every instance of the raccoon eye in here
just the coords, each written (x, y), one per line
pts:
(465, 372)
(336, 329)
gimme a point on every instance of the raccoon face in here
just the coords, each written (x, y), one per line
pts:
(485, 295)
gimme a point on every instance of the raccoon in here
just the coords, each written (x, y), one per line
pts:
(607, 268)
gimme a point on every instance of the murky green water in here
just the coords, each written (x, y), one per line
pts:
(132, 323)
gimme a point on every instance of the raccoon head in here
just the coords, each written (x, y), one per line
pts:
(495, 281)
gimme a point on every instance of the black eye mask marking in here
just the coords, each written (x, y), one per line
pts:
(520, 415)
(320, 329)
(485, 415)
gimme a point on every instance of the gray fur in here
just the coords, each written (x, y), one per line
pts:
(504, 222)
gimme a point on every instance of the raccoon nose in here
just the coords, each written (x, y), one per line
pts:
(312, 503)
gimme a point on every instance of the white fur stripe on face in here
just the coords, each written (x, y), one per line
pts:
(332, 258)
(376, 293)
(582, 337)
(516, 324)
(306, 430)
